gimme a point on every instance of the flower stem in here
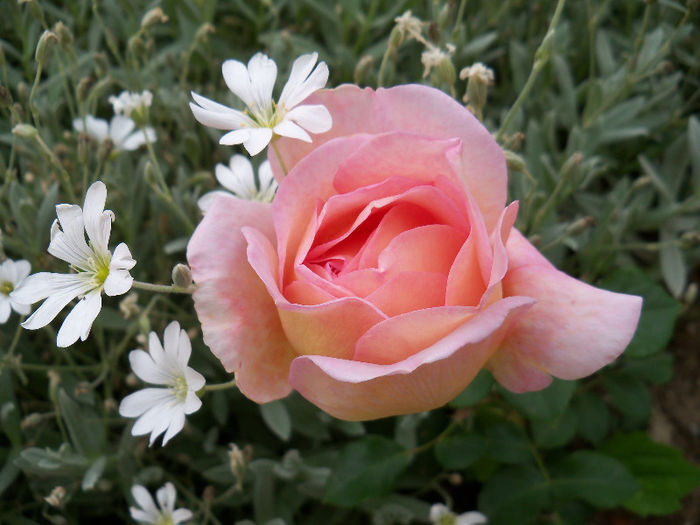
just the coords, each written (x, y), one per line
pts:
(542, 56)
(279, 157)
(65, 176)
(220, 386)
(162, 288)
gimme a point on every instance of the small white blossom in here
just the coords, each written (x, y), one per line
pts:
(238, 178)
(263, 118)
(479, 72)
(163, 409)
(126, 103)
(410, 26)
(163, 514)
(433, 56)
(95, 269)
(441, 515)
(11, 274)
(120, 131)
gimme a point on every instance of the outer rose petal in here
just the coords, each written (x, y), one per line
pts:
(573, 330)
(413, 109)
(356, 391)
(239, 319)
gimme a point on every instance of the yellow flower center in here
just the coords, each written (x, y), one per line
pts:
(179, 388)
(6, 287)
(165, 520)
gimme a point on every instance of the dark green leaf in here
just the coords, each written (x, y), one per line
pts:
(657, 368)
(8, 473)
(596, 478)
(458, 451)
(555, 432)
(545, 404)
(630, 396)
(367, 468)
(93, 473)
(659, 310)
(514, 495)
(475, 392)
(86, 430)
(593, 416)
(663, 475)
(277, 419)
(507, 443)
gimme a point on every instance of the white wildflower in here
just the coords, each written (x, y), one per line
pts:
(441, 515)
(410, 26)
(126, 103)
(433, 56)
(163, 514)
(238, 178)
(95, 267)
(263, 118)
(478, 72)
(11, 274)
(120, 131)
(163, 409)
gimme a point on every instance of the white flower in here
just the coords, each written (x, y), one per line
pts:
(433, 56)
(254, 127)
(11, 274)
(441, 515)
(478, 71)
(127, 102)
(238, 177)
(165, 513)
(163, 409)
(119, 131)
(410, 26)
(95, 267)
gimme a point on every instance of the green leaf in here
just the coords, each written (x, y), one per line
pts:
(545, 404)
(9, 472)
(659, 311)
(657, 368)
(276, 417)
(593, 416)
(9, 413)
(86, 429)
(459, 451)
(366, 468)
(596, 478)
(630, 395)
(93, 473)
(514, 495)
(507, 443)
(554, 432)
(663, 475)
(694, 146)
(477, 390)
(674, 269)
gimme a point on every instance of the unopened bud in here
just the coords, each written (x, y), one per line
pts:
(55, 499)
(65, 36)
(641, 182)
(182, 276)
(446, 71)
(514, 161)
(131, 380)
(570, 167)
(208, 495)
(690, 239)
(691, 293)
(237, 462)
(5, 97)
(361, 69)
(31, 420)
(153, 17)
(203, 32)
(46, 42)
(101, 64)
(81, 91)
(544, 52)
(100, 88)
(136, 45)
(128, 306)
(395, 39)
(110, 405)
(22, 91)
(455, 479)
(444, 16)
(581, 225)
(149, 173)
(26, 131)
(34, 9)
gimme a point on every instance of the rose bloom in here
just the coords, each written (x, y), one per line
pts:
(386, 272)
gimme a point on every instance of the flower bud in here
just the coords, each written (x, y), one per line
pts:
(514, 161)
(101, 64)
(26, 131)
(57, 497)
(182, 276)
(691, 293)
(65, 36)
(5, 97)
(43, 49)
(128, 306)
(203, 32)
(34, 9)
(361, 69)
(81, 91)
(579, 226)
(31, 420)
(22, 91)
(572, 164)
(136, 45)
(98, 89)
(446, 71)
(153, 17)
(395, 39)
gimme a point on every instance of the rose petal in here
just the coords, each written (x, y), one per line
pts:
(572, 331)
(354, 390)
(239, 319)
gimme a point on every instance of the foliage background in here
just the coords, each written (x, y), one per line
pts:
(605, 159)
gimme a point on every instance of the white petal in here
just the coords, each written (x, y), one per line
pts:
(262, 71)
(156, 351)
(298, 91)
(144, 500)
(229, 119)
(437, 511)
(147, 370)
(206, 200)
(97, 128)
(177, 423)
(238, 80)
(314, 118)
(122, 260)
(118, 282)
(181, 515)
(166, 497)
(239, 178)
(471, 518)
(195, 380)
(301, 68)
(98, 222)
(287, 128)
(171, 340)
(70, 217)
(143, 400)
(267, 178)
(53, 304)
(192, 403)
(4, 309)
(40, 285)
(119, 127)
(138, 139)
(22, 309)
(22, 269)
(79, 321)
(237, 136)
(142, 517)
(258, 139)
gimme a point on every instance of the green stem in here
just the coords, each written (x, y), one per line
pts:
(220, 386)
(382, 67)
(542, 56)
(162, 288)
(32, 106)
(65, 176)
(458, 20)
(279, 157)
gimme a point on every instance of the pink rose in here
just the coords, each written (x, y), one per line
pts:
(386, 272)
